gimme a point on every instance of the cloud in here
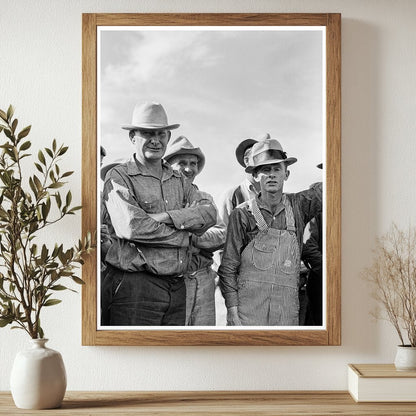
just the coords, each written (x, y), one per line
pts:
(221, 86)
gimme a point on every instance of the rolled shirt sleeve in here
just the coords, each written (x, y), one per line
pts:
(197, 219)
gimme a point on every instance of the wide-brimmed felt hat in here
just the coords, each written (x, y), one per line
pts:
(241, 149)
(182, 146)
(108, 166)
(267, 152)
(149, 116)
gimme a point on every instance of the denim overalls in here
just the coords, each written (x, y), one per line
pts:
(269, 273)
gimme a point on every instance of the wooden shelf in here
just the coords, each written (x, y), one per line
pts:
(212, 403)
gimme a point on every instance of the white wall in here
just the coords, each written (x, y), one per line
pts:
(40, 73)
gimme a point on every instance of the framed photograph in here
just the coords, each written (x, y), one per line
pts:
(242, 95)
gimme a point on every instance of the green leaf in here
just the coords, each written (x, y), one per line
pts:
(37, 183)
(14, 125)
(33, 187)
(51, 302)
(3, 115)
(45, 211)
(5, 321)
(77, 208)
(8, 133)
(54, 145)
(10, 112)
(58, 199)
(68, 198)
(39, 167)
(59, 287)
(63, 150)
(40, 332)
(24, 132)
(25, 145)
(78, 280)
(49, 152)
(44, 253)
(41, 157)
(67, 174)
(56, 185)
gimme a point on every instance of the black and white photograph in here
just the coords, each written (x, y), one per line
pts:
(211, 150)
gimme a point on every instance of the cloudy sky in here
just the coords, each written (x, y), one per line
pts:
(222, 86)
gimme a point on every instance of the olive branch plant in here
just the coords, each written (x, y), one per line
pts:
(393, 277)
(30, 273)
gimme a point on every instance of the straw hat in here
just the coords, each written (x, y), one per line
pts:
(182, 146)
(149, 116)
(267, 152)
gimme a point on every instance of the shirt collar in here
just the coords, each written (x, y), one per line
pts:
(262, 205)
(134, 167)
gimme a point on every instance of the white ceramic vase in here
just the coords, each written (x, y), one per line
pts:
(38, 378)
(405, 358)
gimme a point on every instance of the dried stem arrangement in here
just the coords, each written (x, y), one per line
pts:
(393, 274)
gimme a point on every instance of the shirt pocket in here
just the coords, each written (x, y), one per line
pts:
(263, 255)
(288, 256)
(151, 206)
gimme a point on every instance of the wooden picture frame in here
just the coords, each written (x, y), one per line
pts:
(328, 335)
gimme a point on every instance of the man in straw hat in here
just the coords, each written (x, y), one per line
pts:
(153, 212)
(259, 272)
(200, 278)
(245, 190)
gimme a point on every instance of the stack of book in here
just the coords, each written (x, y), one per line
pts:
(381, 383)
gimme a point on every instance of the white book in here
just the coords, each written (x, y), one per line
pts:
(381, 383)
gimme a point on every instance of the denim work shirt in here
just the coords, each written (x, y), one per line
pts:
(131, 192)
(242, 229)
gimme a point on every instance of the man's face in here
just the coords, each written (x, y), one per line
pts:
(151, 144)
(187, 164)
(272, 177)
(246, 156)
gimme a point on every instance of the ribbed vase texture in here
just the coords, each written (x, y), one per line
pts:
(38, 378)
(405, 358)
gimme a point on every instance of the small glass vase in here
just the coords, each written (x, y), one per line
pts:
(405, 358)
(38, 377)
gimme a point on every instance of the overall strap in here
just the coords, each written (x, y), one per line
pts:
(260, 221)
(290, 218)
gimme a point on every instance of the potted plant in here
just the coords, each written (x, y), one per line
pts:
(393, 276)
(31, 272)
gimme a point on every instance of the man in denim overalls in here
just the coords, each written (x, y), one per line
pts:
(259, 272)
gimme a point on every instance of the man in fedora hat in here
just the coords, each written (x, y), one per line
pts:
(153, 212)
(200, 277)
(245, 190)
(259, 272)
